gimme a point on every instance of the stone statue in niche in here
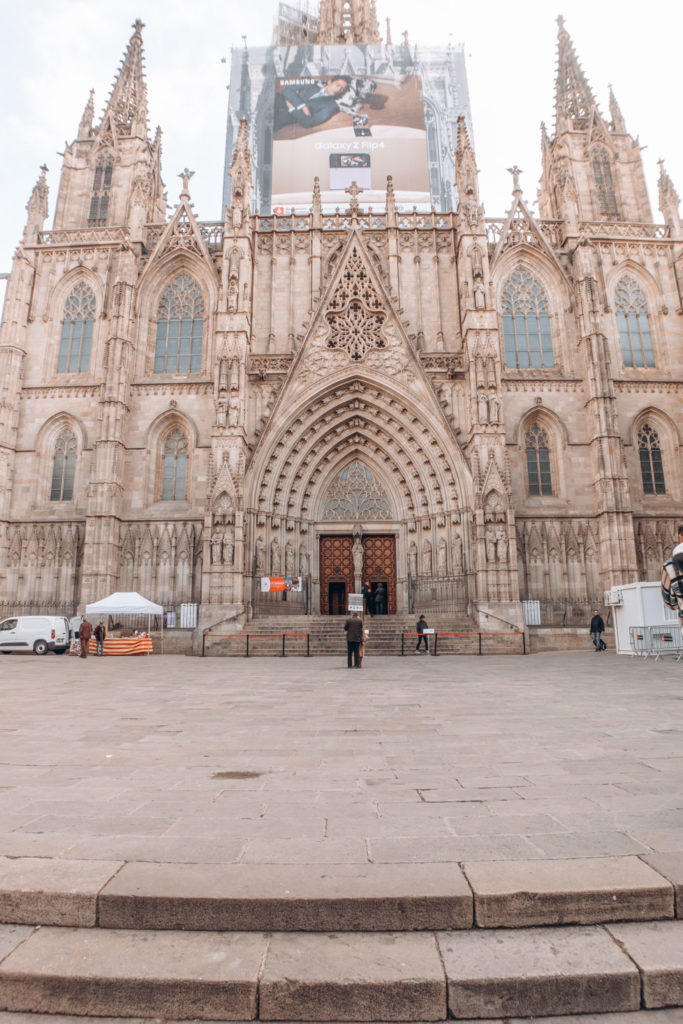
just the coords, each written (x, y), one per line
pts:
(501, 544)
(304, 561)
(216, 547)
(457, 552)
(228, 547)
(491, 543)
(494, 409)
(260, 555)
(234, 410)
(442, 557)
(289, 558)
(482, 408)
(427, 558)
(357, 559)
(275, 557)
(412, 559)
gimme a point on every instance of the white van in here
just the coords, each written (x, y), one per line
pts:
(37, 633)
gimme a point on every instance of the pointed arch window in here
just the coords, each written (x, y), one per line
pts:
(180, 328)
(604, 183)
(77, 327)
(101, 187)
(651, 465)
(634, 324)
(526, 323)
(64, 467)
(174, 467)
(539, 476)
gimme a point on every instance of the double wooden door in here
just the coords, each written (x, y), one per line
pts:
(336, 569)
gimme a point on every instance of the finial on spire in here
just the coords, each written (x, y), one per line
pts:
(186, 175)
(37, 207)
(354, 191)
(85, 127)
(515, 172)
(618, 122)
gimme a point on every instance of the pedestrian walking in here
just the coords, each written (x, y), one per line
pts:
(597, 628)
(353, 627)
(100, 636)
(84, 634)
(422, 624)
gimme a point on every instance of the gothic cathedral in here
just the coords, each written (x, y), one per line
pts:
(471, 412)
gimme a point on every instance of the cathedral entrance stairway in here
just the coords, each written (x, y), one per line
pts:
(326, 637)
(410, 942)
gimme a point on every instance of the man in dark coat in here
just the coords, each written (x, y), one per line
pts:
(353, 627)
(368, 600)
(84, 634)
(597, 628)
(380, 600)
(422, 624)
(309, 104)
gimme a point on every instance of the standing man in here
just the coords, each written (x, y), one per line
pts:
(368, 602)
(597, 628)
(353, 627)
(84, 634)
(422, 624)
(100, 636)
(380, 599)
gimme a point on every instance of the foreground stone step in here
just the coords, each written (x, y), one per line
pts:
(342, 976)
(670, 1016)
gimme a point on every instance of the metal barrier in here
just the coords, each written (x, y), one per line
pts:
(656, 640)
(258, 636)
(435, 637)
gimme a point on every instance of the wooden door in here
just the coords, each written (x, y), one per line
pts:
(336, 566)
(379, 565)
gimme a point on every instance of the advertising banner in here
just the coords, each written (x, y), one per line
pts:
(343, 114)
(275, 584)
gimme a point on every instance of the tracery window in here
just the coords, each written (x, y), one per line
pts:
(355, 494)
(64, 468)
(604, 183)
(634, 324)
(355, 314)
(651, 465)
(526, 323)
(538, 461)
(99, 198)
(180, 328)
(174, 467)
(77, 326)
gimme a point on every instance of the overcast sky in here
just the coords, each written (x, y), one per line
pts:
(55, 51)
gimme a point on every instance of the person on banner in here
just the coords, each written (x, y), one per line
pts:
(380, 599)
(672, 578)
(309, 104)
(422, 624)
(353, 627)
(597, 628)
(368, 601)
(84, 634)
(100, 633)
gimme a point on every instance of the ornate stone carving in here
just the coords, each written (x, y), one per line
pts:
(355, 315)
(355, 495)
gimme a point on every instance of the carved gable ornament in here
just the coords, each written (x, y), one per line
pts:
(355, 315)
(355, 495)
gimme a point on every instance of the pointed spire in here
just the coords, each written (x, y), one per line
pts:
(240, 178)
(466, 177)
(618, 122)
(348, 21)
(85, 127)
(574, 100)
(669, 201)
(126, 111)
(37, 207)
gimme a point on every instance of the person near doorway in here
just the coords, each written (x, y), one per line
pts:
(100, 636)
(353, 627)
(84, 634)
(422, 624)
(597, 628)
(380, 599)
(368, 600)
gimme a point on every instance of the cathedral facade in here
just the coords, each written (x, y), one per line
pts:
(474, 412)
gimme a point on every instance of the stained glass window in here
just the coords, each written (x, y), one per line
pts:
(77, 326)
(538, 461)
(651, 465)
(604, 183)
(526, 323)
(355, 494)
(180, 328)
(174, 481)
(64, 468)
(634, 324)
(99, 199)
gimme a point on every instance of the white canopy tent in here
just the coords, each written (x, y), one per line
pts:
(127, 603)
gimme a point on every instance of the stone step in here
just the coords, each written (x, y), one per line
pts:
(669, 1016)
(341, 976)
(339, 897)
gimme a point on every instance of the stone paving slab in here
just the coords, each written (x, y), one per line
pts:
(518, 894)
(117, 973)
(370, 897)
(537, 971)
(11, 936)
(657, 948)
(36, 890)
(341, 977)
(670, 865)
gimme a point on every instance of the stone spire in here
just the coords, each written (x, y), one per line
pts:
(669, 201)
(126, 110)
(574, 99)
(348, 21)
(37, 208)
(85, 127)
(618, 122)
(469, 209)
(240, 179)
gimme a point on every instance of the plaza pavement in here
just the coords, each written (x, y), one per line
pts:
(300, 761)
